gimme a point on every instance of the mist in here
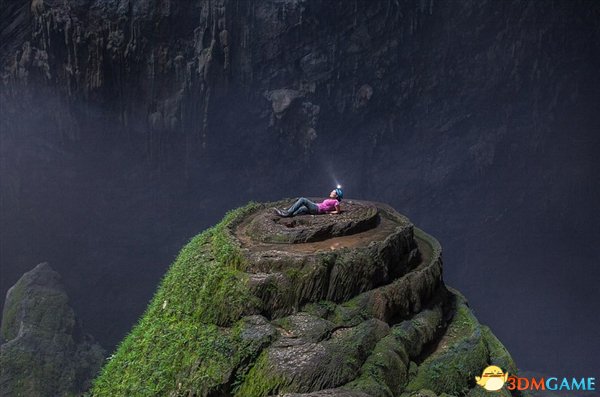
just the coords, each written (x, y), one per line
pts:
(485, 136)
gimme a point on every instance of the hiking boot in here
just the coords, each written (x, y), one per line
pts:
(281, 213)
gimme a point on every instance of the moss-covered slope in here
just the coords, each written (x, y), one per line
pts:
(365, 314)
(191, 338)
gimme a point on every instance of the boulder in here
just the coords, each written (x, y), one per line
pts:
(44, 351)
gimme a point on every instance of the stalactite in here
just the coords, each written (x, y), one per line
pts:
(48, 38)
(205, 116)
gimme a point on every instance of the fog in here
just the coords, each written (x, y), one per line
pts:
(505, 179)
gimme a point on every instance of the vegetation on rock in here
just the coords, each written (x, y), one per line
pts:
(44, 351)
(237, 315)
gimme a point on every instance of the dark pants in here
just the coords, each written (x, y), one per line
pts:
(303, 206)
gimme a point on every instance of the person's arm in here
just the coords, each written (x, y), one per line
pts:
(337, 209)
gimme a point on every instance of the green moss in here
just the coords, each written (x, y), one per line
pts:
(292, 273)
(369, 385)
(388, 368)
(179, 346)
(351, 312)
(478, 391)
(190, 340)
(384, 372)
(10, 313)
(424, 393)
(498, 354)
(261, 380)
(225, 250)
(24, 305)
(340, 359)
(459, 357)
(283, 322)
(38, 373)
(347, 314)
(323, 308)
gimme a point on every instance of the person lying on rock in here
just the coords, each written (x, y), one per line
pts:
(304, 206)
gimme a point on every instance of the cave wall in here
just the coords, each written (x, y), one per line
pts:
(130, 125)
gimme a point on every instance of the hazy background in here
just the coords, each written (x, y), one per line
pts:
(480, 121)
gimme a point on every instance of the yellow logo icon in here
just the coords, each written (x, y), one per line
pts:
(492, 378)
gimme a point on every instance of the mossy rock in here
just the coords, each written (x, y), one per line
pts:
(193, 337)
(338, 392)
(498, 355)
(46, 352)
(460, 355)
(366, 316)
(285, 277)
(481, 392)
(38, 301)
(421, 393)
(389, 367)
(303, 327)
(309, 366)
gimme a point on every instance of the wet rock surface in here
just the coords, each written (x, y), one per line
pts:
(355, 217)
(285, 275)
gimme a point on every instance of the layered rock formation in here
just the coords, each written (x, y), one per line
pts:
(44, 351)
(306, 306)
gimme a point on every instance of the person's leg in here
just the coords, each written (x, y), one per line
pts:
(301, 211)
(307, 207)
(301, 202)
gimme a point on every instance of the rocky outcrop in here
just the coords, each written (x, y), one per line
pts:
(352, 313)
(266, 228)
(44, 351)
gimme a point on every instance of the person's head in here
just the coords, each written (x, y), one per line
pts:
(337, 193)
